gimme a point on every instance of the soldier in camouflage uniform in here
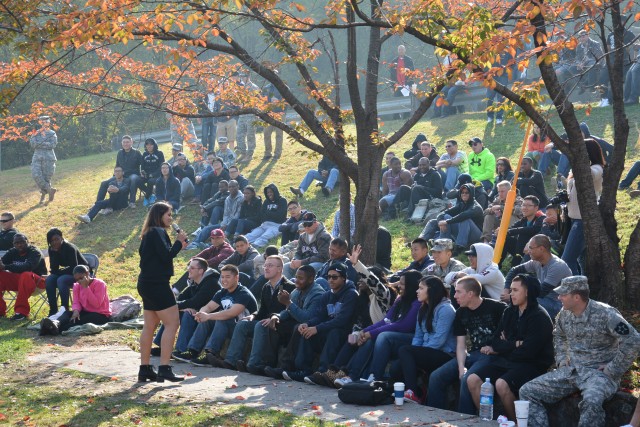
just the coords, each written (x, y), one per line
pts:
(246, 130)
(43, 163)
(442, 251)
(594, 346)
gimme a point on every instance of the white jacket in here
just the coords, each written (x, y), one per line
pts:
(488, 273)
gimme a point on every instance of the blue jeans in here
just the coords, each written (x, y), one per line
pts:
(264, 348)
(551, 303)
(631, 176)
(242, 332)
(136, 182)
(449, 177)
(557, 158)
(575, 245)
(447, 374)
(216, 215)
(328, 343)
(188, 326)
(464, 233)
(205, 233)
(492, 95)
(115, 202)
(290, 273)
(211, 335)
(386, 349)
(312, 175)
(488, 185)
(63, 283)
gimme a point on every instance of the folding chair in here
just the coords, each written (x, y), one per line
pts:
(94, 263)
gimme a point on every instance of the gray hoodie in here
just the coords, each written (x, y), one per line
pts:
(487, 273)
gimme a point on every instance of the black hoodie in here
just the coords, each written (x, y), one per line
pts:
(151, 162)
(470, 210)
(534, 328)
(274, 210)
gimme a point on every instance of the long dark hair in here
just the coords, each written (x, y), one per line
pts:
(507, 165)
(594, 151)
(542, 136)
(436, 292)
(154, 217)
(411, 282)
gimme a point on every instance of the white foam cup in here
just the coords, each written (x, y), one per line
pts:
(398, 392)
(522, 412)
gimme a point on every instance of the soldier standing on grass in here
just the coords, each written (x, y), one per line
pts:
(43, 163)
(594, 346)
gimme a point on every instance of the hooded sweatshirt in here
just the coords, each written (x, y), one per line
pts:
(337, 309)
(533, 327)
(415, 146)
(252, 209)
(187, 172)
(313, 247)
(31, 260)
(197, 295)
(274, 210)
(482, 166)
(487, 273)
(216, 254)
(151, 162)
(243, 262)
(169, 190)
(469, 210)
(607, 149)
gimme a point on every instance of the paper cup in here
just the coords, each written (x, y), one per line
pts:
(522, 412)
(398, 392)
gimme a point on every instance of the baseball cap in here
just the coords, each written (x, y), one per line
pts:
(471, 252)
(340, 268)
(572, 284)
(176, 147)
(476, 140)
(440, 245)
(223, 140)
(217, 232)
(308, 219)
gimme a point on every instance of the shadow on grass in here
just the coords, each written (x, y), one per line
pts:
(261, 171)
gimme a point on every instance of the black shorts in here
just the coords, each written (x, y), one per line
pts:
(156, 295)
(514, 374)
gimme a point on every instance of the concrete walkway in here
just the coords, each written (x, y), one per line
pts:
(222, 385)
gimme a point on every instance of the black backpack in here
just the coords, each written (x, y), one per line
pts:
(367, 393)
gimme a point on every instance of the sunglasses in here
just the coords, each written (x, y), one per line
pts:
(6, 220)
(500, 164)
(307, 223)
(333, 276)
(476, 143)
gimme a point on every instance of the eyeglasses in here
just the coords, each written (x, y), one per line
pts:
(500, 164)
(6, 220)
(333, 276)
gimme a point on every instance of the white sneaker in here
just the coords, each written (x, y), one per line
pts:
(498, 121)
(340, 382)
(106, 211)
(195, 233)
(84, 218)
(604, 102)
(132, 205)
(489, 120)
(58, 314)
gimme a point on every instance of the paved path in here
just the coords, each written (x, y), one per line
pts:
(223, 385)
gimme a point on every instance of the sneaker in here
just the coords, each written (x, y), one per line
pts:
(195, 233)
(201, 360)
(106, 211)
(326, 191)
(255, 370)
(634, 193)
(152, 199)
(192, 246)
(369, 379)
(332, 375)
(179, 209)
(59, 313)
(489, 120)
(18, 316)
(273, 372)
(604, 102)
(132, 205)
(498, 121)
(341, 382)
(296, 191)
(241, 366)
(294, 375)
(48, 327)
(184, 356)
(315, 379)
(214, 359)
(84, 218)
(145, 202)
(410, 396)
(155, 351)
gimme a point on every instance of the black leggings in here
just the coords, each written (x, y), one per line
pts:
(85, 317)
(413, 358)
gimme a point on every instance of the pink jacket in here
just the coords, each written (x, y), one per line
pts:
(93, 298)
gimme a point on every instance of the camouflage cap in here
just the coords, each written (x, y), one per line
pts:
(572, 284)
(439, 245)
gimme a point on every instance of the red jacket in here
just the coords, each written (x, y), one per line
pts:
(215, 254)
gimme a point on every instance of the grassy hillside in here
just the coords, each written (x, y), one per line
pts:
(115, 238)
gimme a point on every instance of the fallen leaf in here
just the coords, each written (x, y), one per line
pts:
(315, 407)
(233, 386)
(3, 416)
(26, 418)
(90, 400)
(114, 378)
(179, 413)
(318, 413)
(240, 398)
(79, 363)
(188, 374)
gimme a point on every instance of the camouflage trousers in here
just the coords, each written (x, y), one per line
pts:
(42, 171)
(246, 131)
(594, 385)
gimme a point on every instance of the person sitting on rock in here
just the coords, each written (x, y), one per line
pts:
(118, 190)
(90, 304)
(327, 173)
(21, 271)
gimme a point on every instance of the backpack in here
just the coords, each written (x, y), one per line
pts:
(436, 207)
(367, 393)
(125, 307)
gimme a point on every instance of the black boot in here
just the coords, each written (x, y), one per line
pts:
(147, 373)
(165, 373)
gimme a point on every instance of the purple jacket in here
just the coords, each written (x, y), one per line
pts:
(404, 324)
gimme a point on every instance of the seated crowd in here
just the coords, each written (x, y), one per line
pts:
(311, 311)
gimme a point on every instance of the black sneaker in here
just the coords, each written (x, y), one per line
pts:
(241, 366)
(201, 360)
(273, 372)
(296, 191)
(155, 351)
(315, 379)
(256, 370)
(326, 191)
(184, 356)
(214, 359)
(294, 375)
(18, 316)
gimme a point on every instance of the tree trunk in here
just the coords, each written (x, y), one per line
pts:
(632, 270)
(345, 207)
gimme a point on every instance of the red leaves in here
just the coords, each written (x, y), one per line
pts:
(241, 398)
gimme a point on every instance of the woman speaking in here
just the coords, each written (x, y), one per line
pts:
(159, 303)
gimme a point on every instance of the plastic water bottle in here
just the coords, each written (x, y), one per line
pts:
(486, 400)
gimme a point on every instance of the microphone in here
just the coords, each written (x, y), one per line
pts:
(177, 229)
